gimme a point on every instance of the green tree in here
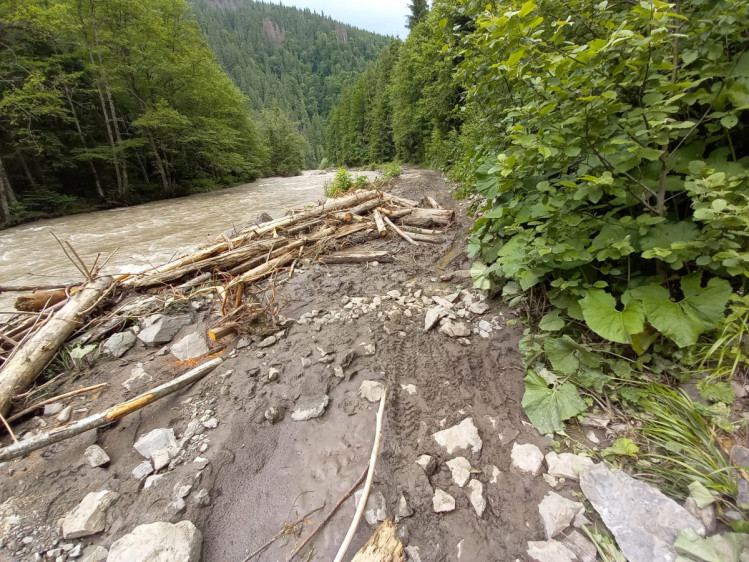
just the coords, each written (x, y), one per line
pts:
(286, 144)
(419, 10)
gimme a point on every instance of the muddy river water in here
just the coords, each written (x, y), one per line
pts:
(145, 235)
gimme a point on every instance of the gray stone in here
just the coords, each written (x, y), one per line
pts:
(90, 516)
(202, 498)
(138, 376)
(64, 415)
(644, 522)
(508, 435)
(118, 344)
(549, 551)
(465, 435)
(189, 347)
(478, 308)
(527, 458)
(142, 470)
(369, 349)
(94, 554)
(427, 463)
(75, 552)
(413, 553)
(376, 510)
(433, 316)
(404, 510)
(442, 502)
(558, 513)
(310, 408)
(267, 342)
(152, 481)
(742, 498)
(454, 329)
(567, 465)
(371, 390)
(96, 456)
(173, 509)
(274, 414)
(200, 462)
(159, 542)
(242, 343)
(444, 303)
(162, 438)
(583, 549)
(211, 423)
(476, 496)
(161, 329)
(53, 409)
(306, 362)
(338, 372)
(460, 469)
(485, 326)
(160, 458)
(273, 374)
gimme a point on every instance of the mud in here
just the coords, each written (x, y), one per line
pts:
(261, 475)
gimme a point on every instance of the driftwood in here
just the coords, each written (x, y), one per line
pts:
(417, 230)
(399, 232)
(27, 288)
(19, 371)
(219, 332)
(430, 238)
(429, 217)
(383, 546)
(109, 415)
(35, 302)
(380, 223)
(401, 201)
(54, 399)
(356, 257)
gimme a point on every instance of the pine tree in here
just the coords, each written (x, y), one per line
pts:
(419, 10)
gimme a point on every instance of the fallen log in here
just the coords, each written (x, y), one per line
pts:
(35, 302)
(19, 371)
(43, 403)
(27, 288)
(350, 229)
(219, 332)
(399, 232)
(262, 270)
(429, 217)
(433, 203)
(356, 257)
(366, 206)
(403, 202)
(417, 230)
(430, 238)
(394, 213)
(383, 546)
(255, 262)
(380, 224)
(108, 416)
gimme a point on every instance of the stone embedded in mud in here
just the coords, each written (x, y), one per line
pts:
(94, 554)
(444, 303)
(53, 409)
(96, 456)
(581, 547)
(454, 329)
(442, 502)
(274, 414)
(154, 440)
(64, 415)
(404, 510)
(485, 326)
(211, 423)
(138, 376)
(160, 329)
(478, 308)
(433, 315)
(273, 374)
(465, 435)
(567, 465)
(558, 513)
(409, 388)
(267, 342)
(159, 542)
(371, 390)
(527, 458)
(90, 516)
(368, 349)
(191, 346)
(202, 498)
(310, 408)
(152, 481)
(376, 510)
(508, 435)
(427, 463)
(160, 458)
(460, 469)
(142, 470)
(549, 551)
(413, 553)
(644, 521)
(118, 344)
(476, 496)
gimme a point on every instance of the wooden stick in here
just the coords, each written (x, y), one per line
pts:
(108, 416)
(286, 529)
(427, 238)
(219, 332)
(7, 427)
(417, 230)
(43, 403)
(367, 485)
(33, 356)
(35, 302)
(356, 257)
(26, 288)
(394, 213)
(380, 224)
(398, 231)
(401, 201)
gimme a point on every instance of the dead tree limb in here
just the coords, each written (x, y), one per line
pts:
(399, 232)
(54, 399)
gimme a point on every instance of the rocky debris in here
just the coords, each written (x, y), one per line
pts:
(567, 465)
(159, 542)
(94, 554)
(200, 462)
(371, 390)
(433, 316)
(596, 421)
(64, 415)
(428, 464)
(274, 414)
(460, 469)
(376, 510)
(464, 435)
(583, 549)
(413, 553)
(202, 498)
(273, 374)
(137, 376)
(152, 481)
(508, 435)
(175, 508)
(162, 438)
(409, 388)
(443, 302)
(527, 458)
(404, 510)
(454, 329)
(644, 521)
(549, 551)
(476, 496)
(478, 308)
(160, 329)
(495, 474)
(96, 456)
(90, 516)
(558, 513)
(369, 349)
(267, 342)
(310, 408)
(53, 409)
(160, 459)
(142, 470)
(442, 502)
(189, 347)
(211, 423)
(118, 344)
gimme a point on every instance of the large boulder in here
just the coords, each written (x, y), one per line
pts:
(159, 542)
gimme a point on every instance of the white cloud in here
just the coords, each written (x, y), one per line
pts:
(383, 16)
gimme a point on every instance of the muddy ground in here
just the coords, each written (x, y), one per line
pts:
(261, 475)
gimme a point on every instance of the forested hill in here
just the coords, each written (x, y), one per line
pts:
(286, 57)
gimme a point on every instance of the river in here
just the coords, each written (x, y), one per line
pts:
(145, 235)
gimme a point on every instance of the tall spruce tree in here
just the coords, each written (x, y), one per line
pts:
(419, 10)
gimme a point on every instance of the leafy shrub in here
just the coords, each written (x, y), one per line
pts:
(390, 171)
(341, 183)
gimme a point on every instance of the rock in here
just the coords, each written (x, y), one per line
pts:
(644, 522)
(202, 498)
(433, 316)
(442, 501)
(96, 456)
(310, 408)
(413, 553)
(738, 389)
(154, 440)
(338, 372)
(597, 421)
(465, 435)
(160, 459)
(549, 551)
(485, 326)
(118, 344)
(75, 552)
(742, 498)
(404, 510)
(369, 349)
(274, 414)
(550, 480)
(64, 415)
(306, 362)
(94, 554)
(176, 507)
(527, 458)
(242, 343)
(376, 510)
(558, 513)
(371, 390)
(454, 329)
(706, 514)
(442, 302)
(583, 549)
(428, 464)
(508, 435)
(90, 516)
(184, 491)
(200, 462)
(152, 481)
(161, 329)
(567, 465)
(159, 542)
(191, 346)
(476, 496)
(137, 376)
(273, 374)
(409, 388)
(211, 423)
(267, 342)
(496, 473)
(142, 470)
(460, 468)
(53, 409)
(478, 308)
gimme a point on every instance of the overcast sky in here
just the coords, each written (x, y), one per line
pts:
(383, 16)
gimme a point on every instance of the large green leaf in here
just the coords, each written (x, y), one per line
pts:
(601, 315)
(562, 354)
(547, 406)
(718, 548)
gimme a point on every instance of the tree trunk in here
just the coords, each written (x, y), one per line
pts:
(6, 196)
(99, 190)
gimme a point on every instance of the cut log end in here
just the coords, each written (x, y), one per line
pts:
(40, 300)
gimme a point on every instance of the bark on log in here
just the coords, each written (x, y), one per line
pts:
(259, 260)
(400, 233)
(366, 206)
(429, 217)
(262, 270)
(350, 229)
(108, 416)
(403, 202)
(20, 371)
(430, 238)
(380, 224)
(394, 213)
(356, 257)
(383, 546)
(418, 230)
(219, 332)
(35, 302)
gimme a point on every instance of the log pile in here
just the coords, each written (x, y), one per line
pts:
(232, 268)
